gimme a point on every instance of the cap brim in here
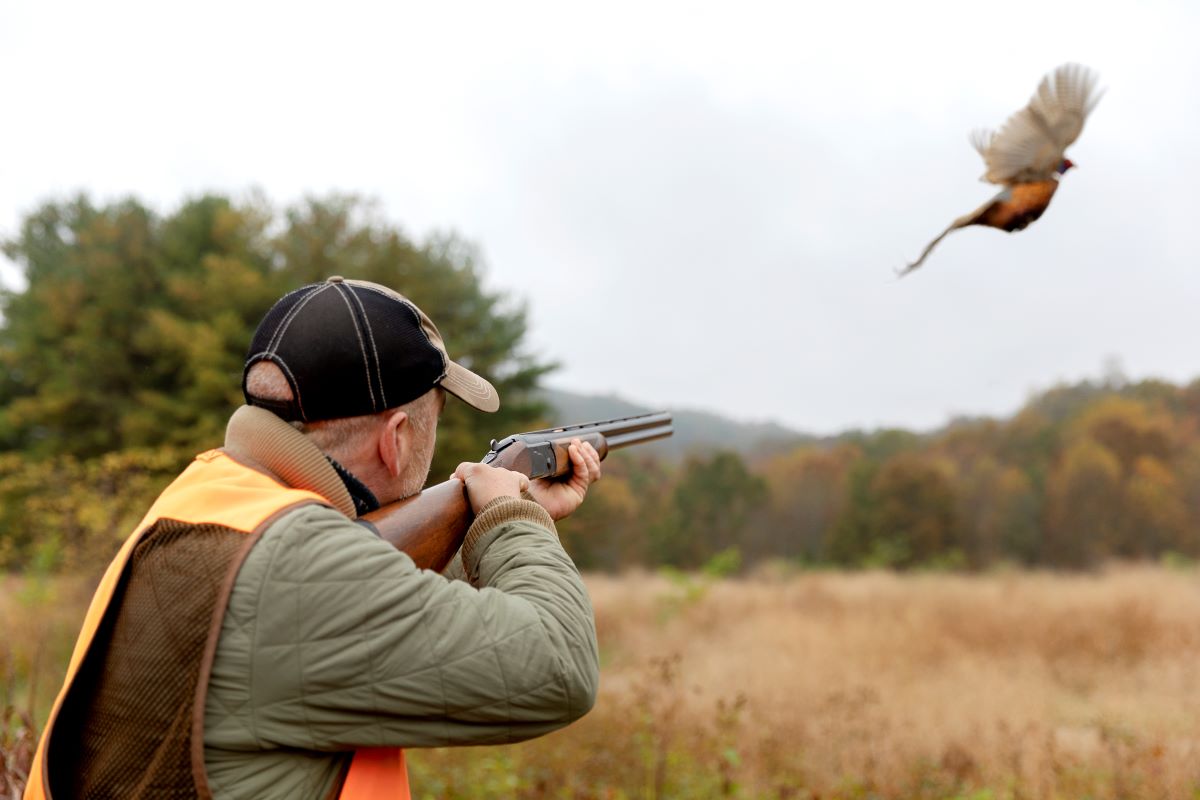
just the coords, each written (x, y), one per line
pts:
(470, 388)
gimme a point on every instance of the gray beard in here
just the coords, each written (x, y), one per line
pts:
(417, 474)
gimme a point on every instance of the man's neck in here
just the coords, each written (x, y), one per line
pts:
(364, 499)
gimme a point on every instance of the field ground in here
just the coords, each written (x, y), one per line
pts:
(827, 685)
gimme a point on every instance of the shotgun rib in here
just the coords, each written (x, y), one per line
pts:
(430, 526)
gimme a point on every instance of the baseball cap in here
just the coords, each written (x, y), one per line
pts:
(350, 347)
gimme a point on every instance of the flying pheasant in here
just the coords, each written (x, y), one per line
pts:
(1026, 156)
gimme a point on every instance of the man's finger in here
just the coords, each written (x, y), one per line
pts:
(585, 461)
(591, 461)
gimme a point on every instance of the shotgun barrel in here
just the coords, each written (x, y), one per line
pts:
(430, 526)
(543, 454)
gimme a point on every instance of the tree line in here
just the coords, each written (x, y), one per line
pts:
(1081, 474)
(121, 357)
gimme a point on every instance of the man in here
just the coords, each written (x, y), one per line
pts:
(253, 640)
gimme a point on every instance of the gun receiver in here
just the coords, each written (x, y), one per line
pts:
(543, 454)
(430, 526)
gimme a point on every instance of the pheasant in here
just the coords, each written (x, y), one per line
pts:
(1026, 156)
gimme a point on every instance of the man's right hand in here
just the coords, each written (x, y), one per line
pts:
(485, 483)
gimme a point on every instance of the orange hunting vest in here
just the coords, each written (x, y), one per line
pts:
(173, 576)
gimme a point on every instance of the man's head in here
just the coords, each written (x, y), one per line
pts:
(361, 371)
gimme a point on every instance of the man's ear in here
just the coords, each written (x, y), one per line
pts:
(394, 444)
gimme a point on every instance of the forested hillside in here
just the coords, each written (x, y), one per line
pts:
(1081, 474)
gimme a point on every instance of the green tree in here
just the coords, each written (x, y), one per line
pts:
(852, 536)
(484, 330)
(900, 513)
(132, 329)
(129, 329)
(123, 353)
(713, 502)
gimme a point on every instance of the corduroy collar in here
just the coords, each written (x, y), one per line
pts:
(258, 436)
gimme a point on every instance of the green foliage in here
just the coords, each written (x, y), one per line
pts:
(122, 357)
(63, 512)
(712, 504)
(850, 538)
(723, 564)
(133, 328)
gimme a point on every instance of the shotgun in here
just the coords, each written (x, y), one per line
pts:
(431, 526)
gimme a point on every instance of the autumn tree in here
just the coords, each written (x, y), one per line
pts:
(1000, 513)
(614, 528)
(916, 513)
(808, 489)
(1127, 429)
(1155, 518)
(1082, 506)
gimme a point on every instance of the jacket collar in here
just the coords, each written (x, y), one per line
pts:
(257, 436)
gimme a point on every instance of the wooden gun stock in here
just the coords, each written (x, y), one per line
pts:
(431, 526)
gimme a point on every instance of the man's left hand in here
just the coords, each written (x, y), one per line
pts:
(561, 496)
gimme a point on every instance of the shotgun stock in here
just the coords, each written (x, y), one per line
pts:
(430, 526)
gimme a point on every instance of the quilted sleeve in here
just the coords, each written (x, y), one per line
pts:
(333, 639)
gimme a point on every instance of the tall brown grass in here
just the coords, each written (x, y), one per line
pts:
(1017, 685)
(1020, 686)
(39, 619)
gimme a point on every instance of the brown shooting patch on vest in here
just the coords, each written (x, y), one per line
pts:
(132, 723)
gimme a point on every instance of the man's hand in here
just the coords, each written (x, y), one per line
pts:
(485, 483)
(561, 496)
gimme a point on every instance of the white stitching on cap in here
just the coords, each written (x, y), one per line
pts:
(361, 346)
(291, 312)
(371, 336)
(295, 384)
(272, 358)
(277, 338)
(421, 328)
(405, 302)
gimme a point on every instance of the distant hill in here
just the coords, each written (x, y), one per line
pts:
(695, 431)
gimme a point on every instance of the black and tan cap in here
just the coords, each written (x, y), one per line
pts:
(349, 348)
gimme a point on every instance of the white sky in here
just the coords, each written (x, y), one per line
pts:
(702, 205)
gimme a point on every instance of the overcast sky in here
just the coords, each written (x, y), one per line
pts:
(702, 206)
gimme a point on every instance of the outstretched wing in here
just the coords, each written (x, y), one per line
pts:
(1030, 144)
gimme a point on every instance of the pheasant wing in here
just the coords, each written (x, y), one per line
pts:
(1030, 144)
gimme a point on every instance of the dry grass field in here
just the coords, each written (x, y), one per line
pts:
(834, 685)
